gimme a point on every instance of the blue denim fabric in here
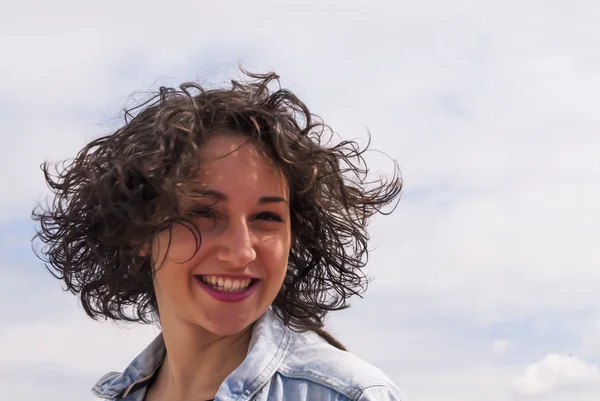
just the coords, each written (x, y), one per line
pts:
(280, 365)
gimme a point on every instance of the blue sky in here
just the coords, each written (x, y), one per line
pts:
(487, 274)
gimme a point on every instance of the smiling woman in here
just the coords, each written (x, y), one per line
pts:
(227, 217)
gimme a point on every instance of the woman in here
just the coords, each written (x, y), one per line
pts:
(227, 217)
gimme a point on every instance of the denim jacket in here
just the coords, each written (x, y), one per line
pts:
(280, 365)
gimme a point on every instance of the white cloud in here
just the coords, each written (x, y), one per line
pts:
(500, 347)
(99, 347)
(557, 373)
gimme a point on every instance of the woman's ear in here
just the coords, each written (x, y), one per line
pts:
(144, 249)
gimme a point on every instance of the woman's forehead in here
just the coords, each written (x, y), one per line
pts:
(231, 163)
(222, 146)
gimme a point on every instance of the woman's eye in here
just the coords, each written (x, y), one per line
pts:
(269, 216)
(203, 213)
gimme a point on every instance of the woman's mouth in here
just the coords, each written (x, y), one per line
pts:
(227, 289)
(226, 284)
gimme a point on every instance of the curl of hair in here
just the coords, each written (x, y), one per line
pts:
(123, 188)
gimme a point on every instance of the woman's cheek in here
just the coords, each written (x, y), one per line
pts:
(276, 245)
(184, 245)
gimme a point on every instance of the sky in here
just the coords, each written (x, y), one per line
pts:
(486, 276)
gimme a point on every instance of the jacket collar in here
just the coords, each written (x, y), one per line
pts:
(268, 348)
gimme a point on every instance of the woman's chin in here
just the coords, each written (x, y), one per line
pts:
(227, 330)
(223, 326)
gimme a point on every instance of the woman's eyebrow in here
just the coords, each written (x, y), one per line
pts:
(211, 193)
(271, 199)
(219, 196)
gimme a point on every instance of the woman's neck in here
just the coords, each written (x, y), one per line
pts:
(197, 362)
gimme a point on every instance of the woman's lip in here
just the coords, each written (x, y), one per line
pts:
(226, 296)
(229, 276)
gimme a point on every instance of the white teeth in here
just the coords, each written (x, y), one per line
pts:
(227, 285)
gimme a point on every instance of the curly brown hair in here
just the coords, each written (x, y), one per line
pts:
(121, 189)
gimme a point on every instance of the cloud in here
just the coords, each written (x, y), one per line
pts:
(500, 347)
(557, 373)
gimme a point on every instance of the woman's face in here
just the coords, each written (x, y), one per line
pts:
(245, 242)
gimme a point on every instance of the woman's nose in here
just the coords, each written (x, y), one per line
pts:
(237, 245)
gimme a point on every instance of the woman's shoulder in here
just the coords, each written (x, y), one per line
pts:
(311, 361)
